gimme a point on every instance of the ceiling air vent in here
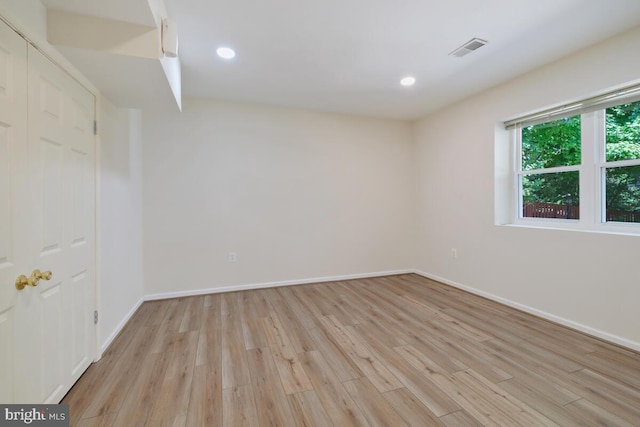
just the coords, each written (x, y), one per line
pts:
(468, 47)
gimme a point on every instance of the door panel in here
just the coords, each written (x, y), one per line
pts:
(6, 355)
(78, 203)
(80, 217)
(80, 335)
(6, 211)
(61, 115)
(51, 184)
(52, 356)
(13, 194)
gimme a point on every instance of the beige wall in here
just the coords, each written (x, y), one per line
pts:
(29, 14)
(297, 195)
(588, 278)
(120, 216)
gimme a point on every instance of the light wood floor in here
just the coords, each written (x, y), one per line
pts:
(393, 351)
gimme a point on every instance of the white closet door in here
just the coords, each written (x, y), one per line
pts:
(14, 197)
(47, 217)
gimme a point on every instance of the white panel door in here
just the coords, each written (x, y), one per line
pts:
(13, 195)
(47, 222)
(61, 171)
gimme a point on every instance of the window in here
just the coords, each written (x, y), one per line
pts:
(579, 165)
(550, 165)
(621, 170)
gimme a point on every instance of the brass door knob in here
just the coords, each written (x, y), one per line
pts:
(23, 281)
(37, 274)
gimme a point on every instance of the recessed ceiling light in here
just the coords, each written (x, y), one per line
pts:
(225, 52)
(408, 81)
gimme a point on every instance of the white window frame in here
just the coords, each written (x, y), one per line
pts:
(592, 176)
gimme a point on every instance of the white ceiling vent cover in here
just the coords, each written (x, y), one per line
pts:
(468, 47)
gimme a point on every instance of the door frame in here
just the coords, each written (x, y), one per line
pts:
(58, 59)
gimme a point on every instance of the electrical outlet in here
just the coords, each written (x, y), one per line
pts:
(233, 257)
(454, 253)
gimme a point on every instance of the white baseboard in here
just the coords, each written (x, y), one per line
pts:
(539, 313)
(179, 294)
(121, 325)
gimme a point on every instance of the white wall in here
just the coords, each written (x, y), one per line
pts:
(29, 14)
(296, 194)
(591, 279)
(120, 217)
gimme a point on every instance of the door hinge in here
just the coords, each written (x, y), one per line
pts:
(95, 317)
(95, 127)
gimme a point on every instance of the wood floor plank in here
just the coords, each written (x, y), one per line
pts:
(83, 394)
(505, 409)
(293, 377)
(486, 322)
(252, 312)
(419, 385)
(620, 366)
(157, 311)
(388, 320)
(172, 396)
(462, 329)
(308, 410)
(298, 335)
(141, 395)
(586, 413)
(106, 420)
(344, 368)
(175, 314)
(438, 353)
(212, 301)
(612, 396)
(271, 402)
(382, 351)
(616, 390)
(192, 315)
(553, 391)
(110, 396)
(333, 305)
(210, 341)
(234, 358)
(205, 403)
(509, 409)
(309, 304)
(412, 411)
(373, 369)
(239, 409)
(472, 356)
(460, 419)
(338, 404)
(377, 411)
(538, 399)
(269, 294)
(305, 316)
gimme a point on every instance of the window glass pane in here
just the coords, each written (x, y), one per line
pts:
(623, 132)
(623, 194)
(550, 144)
(551, 195)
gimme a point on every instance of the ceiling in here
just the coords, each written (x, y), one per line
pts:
(349, 56)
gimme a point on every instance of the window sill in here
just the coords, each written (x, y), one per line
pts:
(620, 229)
